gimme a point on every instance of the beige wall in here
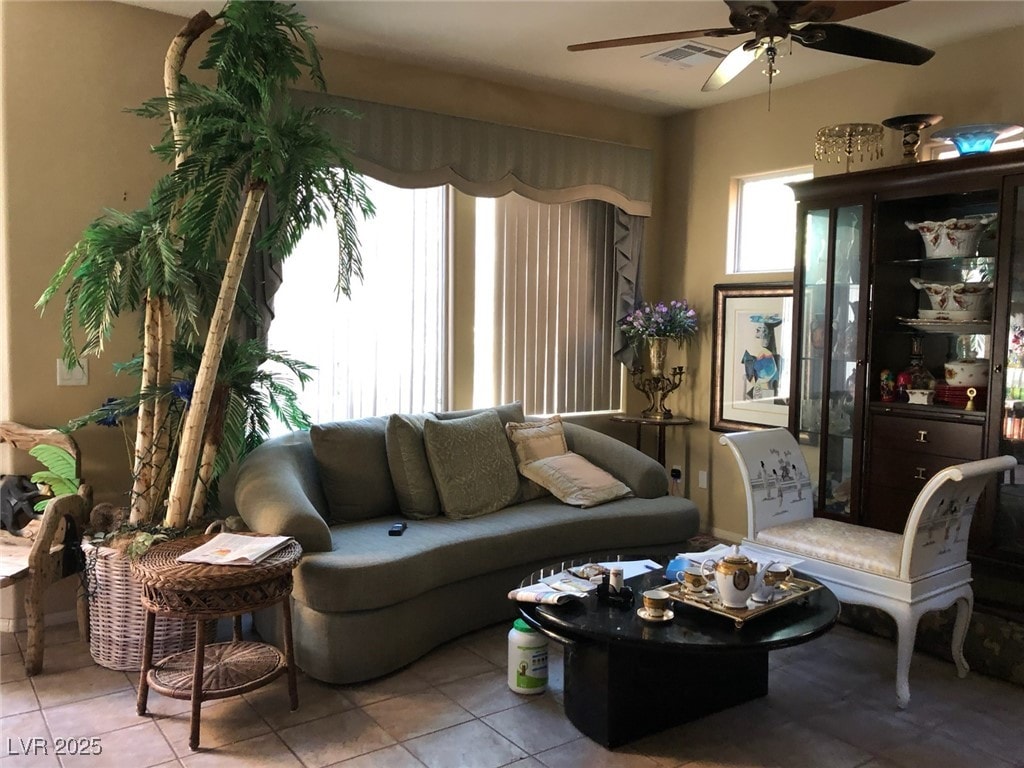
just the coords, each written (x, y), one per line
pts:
(978, 81)
(69, 69)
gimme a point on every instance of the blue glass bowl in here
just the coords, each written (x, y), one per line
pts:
(975, 139)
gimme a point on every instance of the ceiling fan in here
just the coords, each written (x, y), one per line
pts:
(812, 24)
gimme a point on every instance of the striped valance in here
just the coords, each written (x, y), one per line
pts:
(413, 148)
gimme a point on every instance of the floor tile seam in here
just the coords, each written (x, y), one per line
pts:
(371, 752)
(167, 718)
(35, 695)
(55, 705)
(516, 744)
(432, 689)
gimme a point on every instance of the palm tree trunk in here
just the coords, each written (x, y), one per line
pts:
(212, 440)
(160, 474)
(143, 469)
(164, 333)
(182, 485)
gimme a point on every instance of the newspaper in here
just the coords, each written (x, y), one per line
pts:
(543, 593)
(234, 549)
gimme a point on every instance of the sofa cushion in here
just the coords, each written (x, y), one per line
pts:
(368, 569)
(574, 480)
(353, 462)
(472, 464)
(507, 412)
(534, 440)
(410, 470)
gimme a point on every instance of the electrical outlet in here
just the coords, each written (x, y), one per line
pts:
(72, 377)
(702, 479)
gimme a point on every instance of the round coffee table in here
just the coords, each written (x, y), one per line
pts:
(626, 677)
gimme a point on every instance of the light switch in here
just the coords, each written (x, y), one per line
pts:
(72, 377)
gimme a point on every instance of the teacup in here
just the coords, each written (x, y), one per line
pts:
(776, 574)
(692, 578)
(656, 602)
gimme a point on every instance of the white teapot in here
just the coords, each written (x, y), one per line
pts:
(736, 576)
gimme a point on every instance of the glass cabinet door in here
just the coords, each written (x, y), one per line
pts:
(1005, 535)
(829, 351)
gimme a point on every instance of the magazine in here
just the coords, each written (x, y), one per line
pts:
(235, 549)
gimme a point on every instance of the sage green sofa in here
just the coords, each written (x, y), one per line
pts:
(366, 603)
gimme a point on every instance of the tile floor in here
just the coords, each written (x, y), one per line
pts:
(831, 703)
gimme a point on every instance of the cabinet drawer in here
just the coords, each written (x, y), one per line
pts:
(887, 508)
(907, 471)
(919, 436)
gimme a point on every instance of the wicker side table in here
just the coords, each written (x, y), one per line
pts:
(203, 592)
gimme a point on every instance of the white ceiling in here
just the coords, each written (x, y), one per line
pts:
(523, 42)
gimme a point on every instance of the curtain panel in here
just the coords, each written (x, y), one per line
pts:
(414, 148)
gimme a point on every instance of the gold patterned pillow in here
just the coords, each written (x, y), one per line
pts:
(472, 464)
(537, 439)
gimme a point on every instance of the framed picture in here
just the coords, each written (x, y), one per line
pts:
(750, 373)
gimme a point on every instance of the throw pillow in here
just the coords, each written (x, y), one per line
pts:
(410, 471)
(507, 412)
(352, 459)
(537, 439)
(574, 480)
(472, 464)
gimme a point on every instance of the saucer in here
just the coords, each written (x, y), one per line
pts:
(666, 616)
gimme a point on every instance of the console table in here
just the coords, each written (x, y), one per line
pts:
(202, 592)
(661, 424)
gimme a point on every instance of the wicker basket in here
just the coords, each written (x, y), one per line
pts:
(117, 618)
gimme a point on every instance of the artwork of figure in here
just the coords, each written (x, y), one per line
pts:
(762, 366)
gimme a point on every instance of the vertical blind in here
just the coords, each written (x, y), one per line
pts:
(384, 350)
(554, 293)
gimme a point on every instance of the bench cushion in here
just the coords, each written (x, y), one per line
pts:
(369, 569)
(865, 549)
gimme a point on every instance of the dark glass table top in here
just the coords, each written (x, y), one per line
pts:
(692, 629)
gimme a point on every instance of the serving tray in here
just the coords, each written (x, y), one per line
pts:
(791, 590)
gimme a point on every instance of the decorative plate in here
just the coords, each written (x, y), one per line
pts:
(948, 326)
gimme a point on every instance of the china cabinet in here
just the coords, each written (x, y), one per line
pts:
(909, 338)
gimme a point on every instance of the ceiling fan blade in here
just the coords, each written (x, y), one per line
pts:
(817, 11)
(664, 37)
(850, 41)
(732, 65)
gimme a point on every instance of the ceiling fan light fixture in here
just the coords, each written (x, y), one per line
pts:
(842, 142)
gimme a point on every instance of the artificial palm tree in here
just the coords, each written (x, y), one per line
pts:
(230, 145)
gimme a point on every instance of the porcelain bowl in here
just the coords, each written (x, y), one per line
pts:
(967, 373)
(920, 396)
(952, 237)
(974, 299)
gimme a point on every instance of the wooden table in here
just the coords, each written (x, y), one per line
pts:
(661, 424)
(203, 592)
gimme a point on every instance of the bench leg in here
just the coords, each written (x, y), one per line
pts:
(964, 608)
(906, 631)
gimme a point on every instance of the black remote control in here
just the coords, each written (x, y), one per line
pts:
(397, 529)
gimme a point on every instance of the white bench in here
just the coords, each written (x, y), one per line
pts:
(906, 575)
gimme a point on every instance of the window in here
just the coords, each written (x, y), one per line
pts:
(545, 306)
(384, 350)
(763, 235)
(544, 309)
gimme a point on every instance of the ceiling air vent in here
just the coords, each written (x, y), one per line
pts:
(688, 55)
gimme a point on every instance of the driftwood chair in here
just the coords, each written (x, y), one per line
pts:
(60, 526)
(906, 575)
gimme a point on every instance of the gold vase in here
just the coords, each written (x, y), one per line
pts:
(657, 348)
(657, 386)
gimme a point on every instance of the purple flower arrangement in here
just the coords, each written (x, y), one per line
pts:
(675, 320)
